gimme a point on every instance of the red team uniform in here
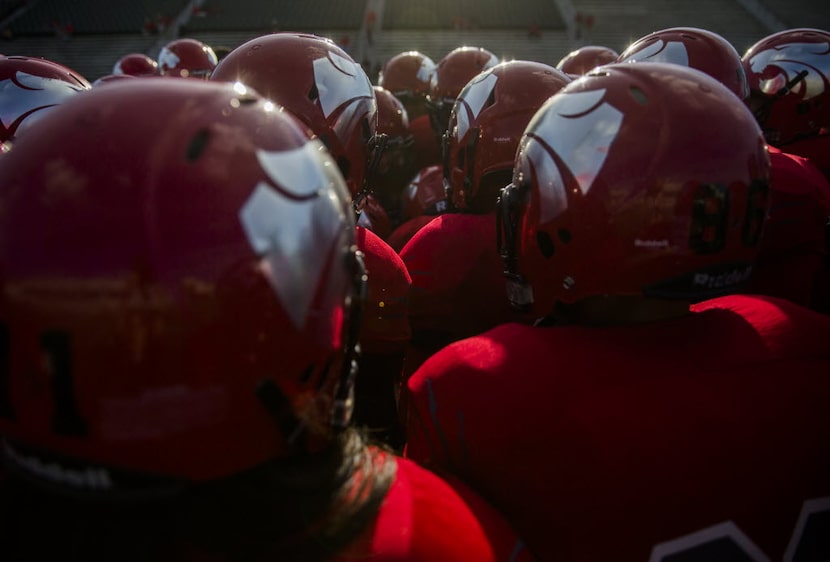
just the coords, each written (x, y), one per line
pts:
(793, 262)
(202, 348)
(636, 434)
(457, 283)
(408, 76)
(789, 81)
(698, 433)
(816, 149)
(458, 288)
(425, 518)
(427, 145)
(467, 314)
(423, 200)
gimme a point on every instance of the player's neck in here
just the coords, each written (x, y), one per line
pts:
(617, 310)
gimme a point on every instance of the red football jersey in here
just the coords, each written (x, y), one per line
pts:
(421, 518)
(431, 519)
(816, 149)
(702, 437)
(404, 233)
(385, 324)
(458, 285)
(427, 146)
(792, 263)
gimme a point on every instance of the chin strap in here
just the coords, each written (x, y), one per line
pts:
(377, 146)
(279, 406)
(344, 396)
(508, 211)
(762, 112)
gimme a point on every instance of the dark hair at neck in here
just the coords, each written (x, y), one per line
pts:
(305, 508)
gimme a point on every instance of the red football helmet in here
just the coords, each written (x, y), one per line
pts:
(385, 319)
(425, 194)
(29, 87)
(408, 76)
(322, 85)
(375, 217)
(187, 57)
(110, 78)
(789, 81)
(452, 73)
(637, 179)
(136, 64)
(585, 59)
(393, 122)
(696, 48)
(485, 126)
(178, 288)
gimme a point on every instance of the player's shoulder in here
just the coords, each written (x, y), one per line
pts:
(426, 517)
(784, 327)
(453, 230)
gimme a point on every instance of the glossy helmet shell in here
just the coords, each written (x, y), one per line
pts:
(393, 123)
(110, 78)
(585, 59)
(425, 194)
(31, 86)
(393, 120)
(789, 81)
(696, 48)
(176, 301)
(320, 84)
(136, 64)
(187, 58)
(486, 123)
(452, 73)
(385, 320)
(375, 217)
(638, 179)
(407, 74)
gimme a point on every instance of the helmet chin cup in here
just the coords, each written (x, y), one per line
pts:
(519, 292)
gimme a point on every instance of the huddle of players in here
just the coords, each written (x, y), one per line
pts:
(594, 326)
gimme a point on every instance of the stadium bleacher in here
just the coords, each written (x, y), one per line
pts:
(90, 35)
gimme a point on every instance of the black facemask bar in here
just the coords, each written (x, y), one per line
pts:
(761, 113)
(279, 406)
(508, 225)
(375, 146)
(466, 159)
(439, 114)
(344, 396)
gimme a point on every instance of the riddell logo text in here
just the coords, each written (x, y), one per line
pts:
(734, 277)
(94, 478)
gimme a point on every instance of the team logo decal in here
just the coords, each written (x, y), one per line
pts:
(425, 71)
(471, 101)
(580, 128)
(780, 65)
(293, 221)
(661, 51)
(23, 93)
(168, 59)
(338, 80)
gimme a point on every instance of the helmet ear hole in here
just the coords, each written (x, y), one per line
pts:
(313, 94)
(710, 212)
(545, 243)
(638, 95)
(491, 99)
(344, 165)
(197, 145)
(756, 213)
